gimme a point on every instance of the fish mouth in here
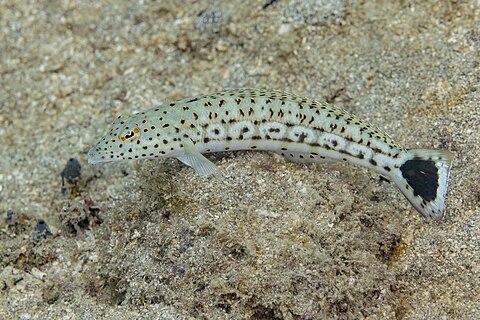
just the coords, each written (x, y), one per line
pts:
(94, 157)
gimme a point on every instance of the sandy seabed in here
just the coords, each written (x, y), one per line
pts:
(269, 239)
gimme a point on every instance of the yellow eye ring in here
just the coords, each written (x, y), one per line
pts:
(129, 135)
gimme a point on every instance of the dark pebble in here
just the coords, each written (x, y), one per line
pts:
(72, 170)
(10, 217)
(71, 173)
(41, 231)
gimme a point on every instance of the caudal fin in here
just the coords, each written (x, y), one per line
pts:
(423, 179)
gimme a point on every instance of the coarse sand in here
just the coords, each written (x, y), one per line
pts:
(269, 239)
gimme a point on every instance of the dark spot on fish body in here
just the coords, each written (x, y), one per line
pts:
(302, 137)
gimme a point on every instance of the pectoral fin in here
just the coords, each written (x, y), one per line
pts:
(197, 161)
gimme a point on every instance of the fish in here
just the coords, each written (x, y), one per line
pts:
(300, 129)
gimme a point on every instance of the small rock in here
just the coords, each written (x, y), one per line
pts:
(284, 28)
(41, 231)
(72, 170)
(71, 173)
(38, 274)
(11, 217)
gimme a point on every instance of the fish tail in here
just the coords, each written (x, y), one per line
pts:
(423, 180)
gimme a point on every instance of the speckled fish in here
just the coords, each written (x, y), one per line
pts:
(299, 129)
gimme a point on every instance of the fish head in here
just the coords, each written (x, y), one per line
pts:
(132, 137)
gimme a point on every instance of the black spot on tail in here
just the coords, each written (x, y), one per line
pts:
(422, 176)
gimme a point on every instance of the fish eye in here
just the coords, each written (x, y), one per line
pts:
(131, 134)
